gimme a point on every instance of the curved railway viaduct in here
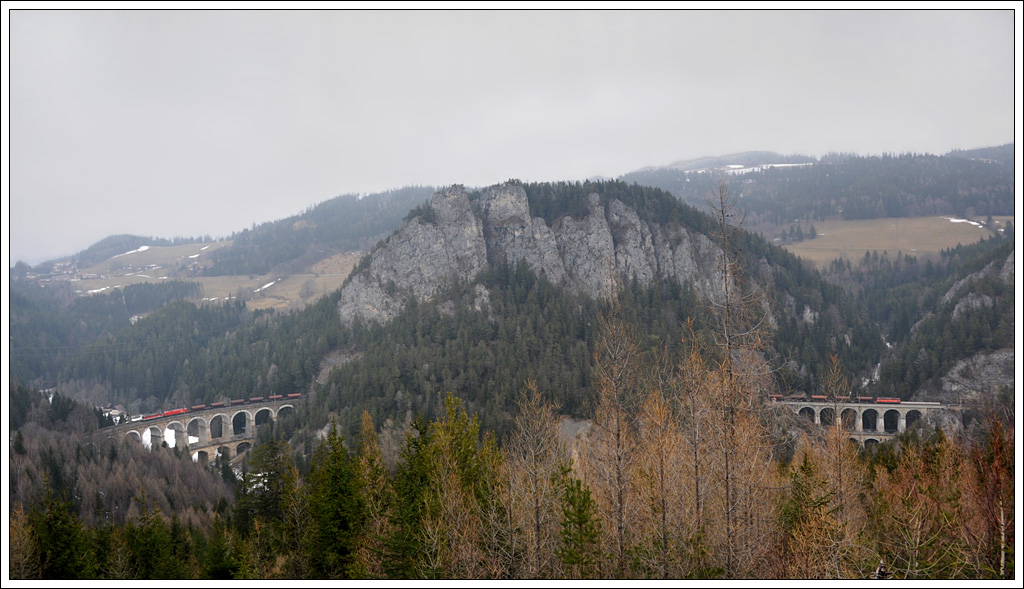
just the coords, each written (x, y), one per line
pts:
(866, 421)
(208, 432)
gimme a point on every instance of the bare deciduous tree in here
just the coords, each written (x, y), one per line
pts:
(535, 457)
(612, 440)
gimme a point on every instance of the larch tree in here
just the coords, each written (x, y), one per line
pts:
(739, 382)
(992, 494)
(24, 563)
(535, 459)
(846, 478)
(612, 452)
(659, 485)
(690, 392)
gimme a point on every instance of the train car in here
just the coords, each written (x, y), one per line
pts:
(865, 399)
(843, 399)
(819, 398)
(775, 397)
(256, 400)
(237, 401)
(175, 412)
(798, 397)
(887, 400)
(275, 397)
(198, 407)
(154, 416)
(294, 395)
(217, 405)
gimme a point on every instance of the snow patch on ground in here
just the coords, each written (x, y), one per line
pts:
(737, 169)
(266, 286)
(141, 249)
(956, 220)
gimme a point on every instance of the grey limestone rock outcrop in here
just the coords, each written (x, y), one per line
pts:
(976, 378)
(1001, 269)
(458, 236)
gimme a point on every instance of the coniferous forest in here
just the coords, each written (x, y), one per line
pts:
(545, 435)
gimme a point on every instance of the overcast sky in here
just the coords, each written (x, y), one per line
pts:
(191, 123)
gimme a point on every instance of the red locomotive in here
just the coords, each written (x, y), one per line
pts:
(166, 413)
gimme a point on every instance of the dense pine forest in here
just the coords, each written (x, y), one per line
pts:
(539, 433)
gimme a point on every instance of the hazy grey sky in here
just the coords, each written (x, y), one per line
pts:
(186, 123)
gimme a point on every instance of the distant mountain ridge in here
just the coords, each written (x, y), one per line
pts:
(851, 186)
(971, 183)
(746, 158)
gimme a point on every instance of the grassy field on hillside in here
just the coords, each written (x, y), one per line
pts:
(168, 258)
(916, 236)
(283, 292)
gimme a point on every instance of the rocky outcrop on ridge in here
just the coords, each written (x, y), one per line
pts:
(463, 233)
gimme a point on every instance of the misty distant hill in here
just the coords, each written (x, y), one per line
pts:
(746, 159)
(343, 224)
(1002, 153)
(973, 183)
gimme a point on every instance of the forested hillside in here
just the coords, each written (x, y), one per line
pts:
(683, 472)
(485, 398)
(964, 183)
(50, 324)
(342, 224)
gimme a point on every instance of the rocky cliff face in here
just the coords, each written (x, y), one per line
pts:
(976, 378)
(462, 234)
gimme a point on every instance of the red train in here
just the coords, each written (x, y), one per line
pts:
(220, 404)
(824, 399)
(166, 413)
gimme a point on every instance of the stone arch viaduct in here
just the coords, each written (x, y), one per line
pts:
(208, 431)
(867, 421)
